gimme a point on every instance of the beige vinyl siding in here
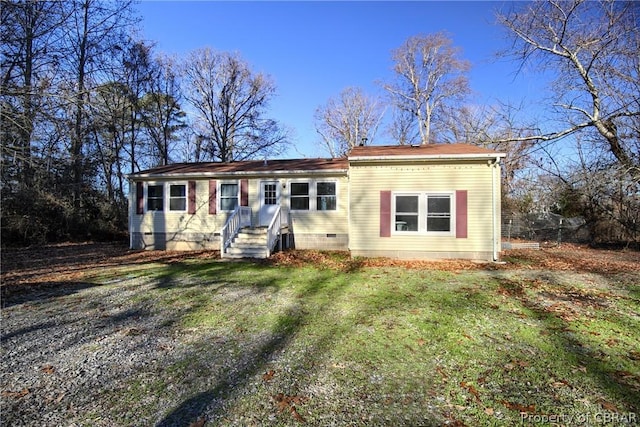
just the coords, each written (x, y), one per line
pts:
(181, 230)
(314, 221)
(367, 180)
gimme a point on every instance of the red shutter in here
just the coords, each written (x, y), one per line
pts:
(461, 214)
(213, 197)
(244, 192)
(192, 197)
(139, 198)
(385, 214)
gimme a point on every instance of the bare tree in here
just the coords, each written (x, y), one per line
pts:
(350, 120)
(429, 75)
(29, 57)
(592, 47)
(231, 101)
(93, 33)
(162, 113)
(493, 127)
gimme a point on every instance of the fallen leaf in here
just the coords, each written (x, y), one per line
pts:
(267, 376)
(199, 423)
(518, 407)
(296, 415)
(608, 406)
(421, 342)
(489, 411)
(471, 389)
(441, 372)
(467, 336)
(287, 403)
(634, 355)
(48, 369)
(16, 394)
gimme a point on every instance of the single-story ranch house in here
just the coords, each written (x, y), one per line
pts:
(410, 202)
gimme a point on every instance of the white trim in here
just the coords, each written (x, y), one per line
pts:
(313, 194)
(405, 157)
(166, 196)
(219, 184)
(186, 196)
(244, 174)
(422, 213)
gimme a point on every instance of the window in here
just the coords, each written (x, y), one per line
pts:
(300, 196)
(177, 197)
(326, 196)
(155, 199)
(407, 212)
(228, 197)
(423, 212)
(438, 213)
(270, 194)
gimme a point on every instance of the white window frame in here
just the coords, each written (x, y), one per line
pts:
(335, 195)
(313, 194)
(308, 196)
(452, 216)
(146, 196)
(219, 201)
(423, 197)
(186, 196)
(166, 196)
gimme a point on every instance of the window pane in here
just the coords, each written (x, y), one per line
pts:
(326, 188)
(154, 204)
(177, 191)
(228, 190)
(228, 204)
(177, 204)
(326, 203)
(407, 204)
(270, 194)
(155, 198)
(439, 205)
(154, 191)
(300, 203)
(438, 224)
(406, 222)
(299, 188)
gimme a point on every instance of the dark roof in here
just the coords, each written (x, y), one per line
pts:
(435, 150)
(248, 166)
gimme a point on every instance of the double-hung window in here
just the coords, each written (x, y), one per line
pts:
(407, 212)
(326, 199)
(155, 197)
(423, 212)
(228, 196)
(300, 196)
(438, 213)
(177, 197)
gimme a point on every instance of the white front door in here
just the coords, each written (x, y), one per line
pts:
(269, 201)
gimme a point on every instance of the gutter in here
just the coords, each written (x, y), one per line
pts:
(427, 157)
(324, 172)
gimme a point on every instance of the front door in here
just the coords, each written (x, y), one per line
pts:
(269, 201)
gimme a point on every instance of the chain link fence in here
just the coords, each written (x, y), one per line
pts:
(543, 228)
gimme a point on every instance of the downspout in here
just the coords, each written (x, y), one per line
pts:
(130, 213)
(494, 192)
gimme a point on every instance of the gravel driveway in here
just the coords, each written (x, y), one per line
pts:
(63, 350)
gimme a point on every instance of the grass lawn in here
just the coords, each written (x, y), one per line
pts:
(333, 341)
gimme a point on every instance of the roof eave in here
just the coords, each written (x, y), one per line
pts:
(432, 157)
(280, 173)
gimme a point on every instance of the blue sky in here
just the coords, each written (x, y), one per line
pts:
(313, 50)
